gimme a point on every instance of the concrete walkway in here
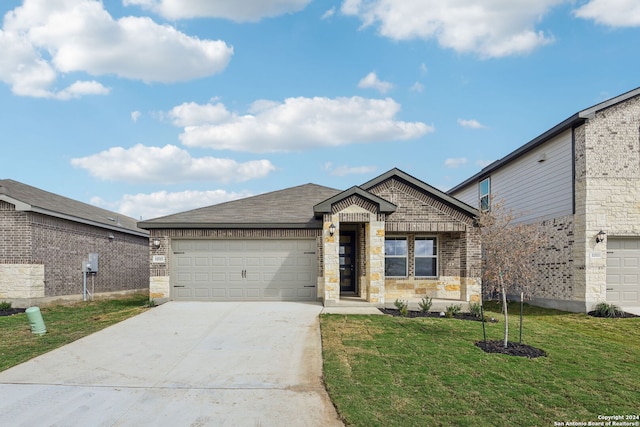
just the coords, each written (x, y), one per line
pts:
(181, 364)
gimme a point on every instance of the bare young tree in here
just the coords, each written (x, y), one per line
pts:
(508, 249)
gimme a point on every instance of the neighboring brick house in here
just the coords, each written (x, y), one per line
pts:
(580, 181)
(44, 239)
(392, 237)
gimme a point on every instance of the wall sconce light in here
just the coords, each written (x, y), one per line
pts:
(155, 243)
(600, 236)
(111, 236)
(332, 229)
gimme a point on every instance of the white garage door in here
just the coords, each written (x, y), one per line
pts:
(623, 271)
(238, 270)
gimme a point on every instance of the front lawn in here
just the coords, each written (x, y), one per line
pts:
(64, 324)
(391, 371)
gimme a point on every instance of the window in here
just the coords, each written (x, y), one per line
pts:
(426, 257)
(485, 192)
(395, 257)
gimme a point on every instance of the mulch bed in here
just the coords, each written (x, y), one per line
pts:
(513, 349)
(622, 315)
(12, 311)
(412, 314)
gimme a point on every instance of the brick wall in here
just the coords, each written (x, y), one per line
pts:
(15, 241)
(61, 246)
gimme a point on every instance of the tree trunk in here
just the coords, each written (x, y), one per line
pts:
(506, 316)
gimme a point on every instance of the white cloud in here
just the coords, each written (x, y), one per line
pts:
(371, 81)
(423, 68)
(329, 13)
(135, 115)
(296, 124)
(490, 28)
(614, 13)
(164, 203)
(347, 170)
(471, 124)
(455, 162)
(236, 10)
(168, 164)
(484, 163)
(417, 87)
(43, 39)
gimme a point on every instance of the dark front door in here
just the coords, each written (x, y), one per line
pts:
(348, 261)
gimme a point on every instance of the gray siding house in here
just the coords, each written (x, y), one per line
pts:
(44, 239)
(580, 181)
(391, 237)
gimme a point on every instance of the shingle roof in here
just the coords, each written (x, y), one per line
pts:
(288, 208)
(27, 198)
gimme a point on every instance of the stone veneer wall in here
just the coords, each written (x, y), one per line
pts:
(43, 256)
(607, 150)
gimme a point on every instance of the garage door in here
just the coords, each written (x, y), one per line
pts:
(239, 270)
(623, 271)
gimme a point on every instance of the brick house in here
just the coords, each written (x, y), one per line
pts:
(392, 237)
(44, 239)
(580, 181)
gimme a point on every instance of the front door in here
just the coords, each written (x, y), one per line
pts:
(348, 262)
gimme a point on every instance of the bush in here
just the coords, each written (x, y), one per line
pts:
(5, 305)
(402, 306)
(604, 309)
(452, 310)
(476, 310)
(425, 304)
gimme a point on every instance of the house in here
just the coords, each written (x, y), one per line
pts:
(580, 181)
(391, 237)
(46, 238)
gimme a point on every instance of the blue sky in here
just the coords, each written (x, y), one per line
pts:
(151, 107)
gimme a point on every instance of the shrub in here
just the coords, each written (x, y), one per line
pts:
(402, 306)
(425, 304)
(5, 305)
(150, 303)
(452, 310)
(604, 309)
(476, 310)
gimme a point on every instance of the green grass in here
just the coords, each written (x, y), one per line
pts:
(64, 324)
(392, 371)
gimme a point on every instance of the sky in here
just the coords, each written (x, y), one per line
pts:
(153, 107)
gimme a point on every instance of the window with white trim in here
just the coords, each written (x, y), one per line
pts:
(485, 194)
(426, 256)
(395, 256)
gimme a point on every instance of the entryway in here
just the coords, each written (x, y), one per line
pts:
(347, 252)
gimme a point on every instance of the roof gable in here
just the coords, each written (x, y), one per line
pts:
(383, 206)
(31, 199)
(421, 186)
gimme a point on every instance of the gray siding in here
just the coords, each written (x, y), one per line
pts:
(535, 190)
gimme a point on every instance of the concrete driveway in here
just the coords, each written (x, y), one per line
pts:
(181, 364)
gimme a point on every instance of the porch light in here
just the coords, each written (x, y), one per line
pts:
(155, 243)
(600, 236)
(332, 229)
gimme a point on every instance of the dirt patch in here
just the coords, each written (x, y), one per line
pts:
(512, 349)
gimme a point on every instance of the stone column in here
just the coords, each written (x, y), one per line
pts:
(375, 242)
(331, 246)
